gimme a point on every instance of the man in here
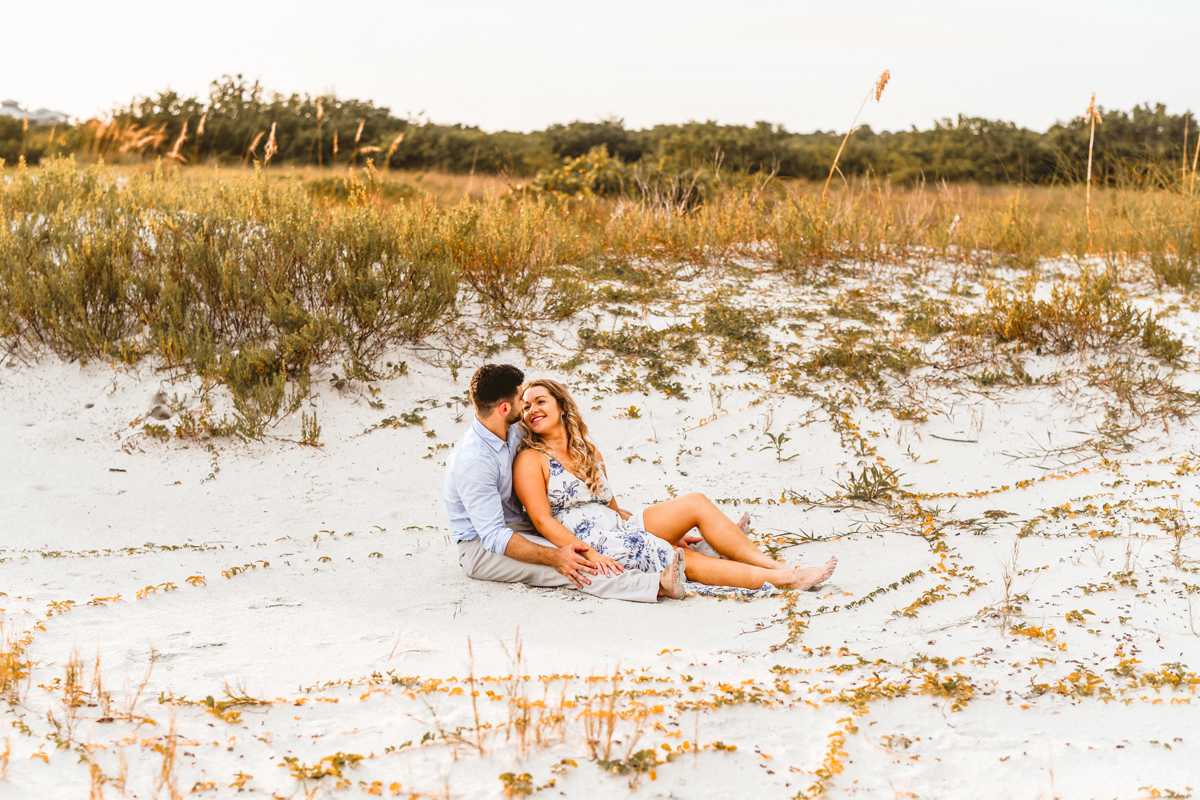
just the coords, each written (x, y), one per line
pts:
(496, 541)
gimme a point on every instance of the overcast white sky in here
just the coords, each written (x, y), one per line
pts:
(523, 64)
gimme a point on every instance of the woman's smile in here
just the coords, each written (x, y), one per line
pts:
(538, 407)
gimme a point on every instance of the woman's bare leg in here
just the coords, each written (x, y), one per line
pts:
(721, 572)
(674, 518)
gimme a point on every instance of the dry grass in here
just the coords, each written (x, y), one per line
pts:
(14, 666)
(446, 189)
(1008, 607)
(166, 779)
(1026, 221)
(252, 278)
(73, 693)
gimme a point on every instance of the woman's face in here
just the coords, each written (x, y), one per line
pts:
(541, 413)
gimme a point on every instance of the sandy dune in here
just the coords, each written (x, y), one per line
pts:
(345, 613)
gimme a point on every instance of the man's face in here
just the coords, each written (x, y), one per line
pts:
(514, 409)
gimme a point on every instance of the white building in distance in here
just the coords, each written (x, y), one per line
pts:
(43, 116)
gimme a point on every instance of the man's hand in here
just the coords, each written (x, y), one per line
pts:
(569, 561)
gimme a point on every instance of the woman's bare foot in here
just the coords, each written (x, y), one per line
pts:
(671, 579)
(806, 577)
(680, 573)
(744, 522)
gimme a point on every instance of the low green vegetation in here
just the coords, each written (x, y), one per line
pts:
(252, 281)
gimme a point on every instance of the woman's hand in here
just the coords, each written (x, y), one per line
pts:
(605, 564)
(624, 514)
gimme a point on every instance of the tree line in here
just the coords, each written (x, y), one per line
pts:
(239, 121)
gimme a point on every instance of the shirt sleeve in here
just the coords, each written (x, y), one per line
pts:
(477, 481)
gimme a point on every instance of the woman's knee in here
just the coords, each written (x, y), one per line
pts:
(698, 501)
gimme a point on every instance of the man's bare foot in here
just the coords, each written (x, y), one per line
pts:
(670, 580)
(744, 522)
(807, 577)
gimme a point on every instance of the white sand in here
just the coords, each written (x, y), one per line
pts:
(362, 581)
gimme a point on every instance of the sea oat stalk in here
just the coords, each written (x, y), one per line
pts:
(1092, 116)
(395, 143)
(1186, 119)
(876, 90)
(199, 133)
(1195, 161)
(270, 149)
(174, 154)
(253, 147)
(320, 121)
(357, 137)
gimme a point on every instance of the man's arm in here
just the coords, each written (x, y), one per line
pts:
(476, 484)
(477, 481)
(567, 560)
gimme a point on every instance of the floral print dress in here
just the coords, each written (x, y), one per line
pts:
(588, 516)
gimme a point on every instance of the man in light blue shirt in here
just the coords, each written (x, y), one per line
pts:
(485, 514)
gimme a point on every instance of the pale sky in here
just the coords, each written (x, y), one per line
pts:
(523, 64)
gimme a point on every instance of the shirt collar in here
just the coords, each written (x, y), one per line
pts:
(487, 436)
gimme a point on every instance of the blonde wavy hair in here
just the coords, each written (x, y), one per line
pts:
(585, 459)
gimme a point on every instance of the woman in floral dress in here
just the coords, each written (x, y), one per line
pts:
(560, 478)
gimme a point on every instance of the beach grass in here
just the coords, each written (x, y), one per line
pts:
(251, 278)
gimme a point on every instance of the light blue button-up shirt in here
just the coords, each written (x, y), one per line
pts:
(479, 487)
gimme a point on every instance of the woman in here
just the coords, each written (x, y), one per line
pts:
(559, 476)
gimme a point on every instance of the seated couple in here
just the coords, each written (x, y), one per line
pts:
(528, 447)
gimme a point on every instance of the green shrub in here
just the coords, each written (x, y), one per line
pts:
(1096, 314)
(740, 331)
(249, 283)
(851, 358)
(514, 262)
(680, 189)
(1174, 251)
(257, 378)
(661, 352)
(929, 318)
(17, 143)
(331, 188)
(593, 173)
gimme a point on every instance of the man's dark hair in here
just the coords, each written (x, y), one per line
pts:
(492, 384)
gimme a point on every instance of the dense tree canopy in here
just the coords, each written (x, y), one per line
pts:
(233, 123)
